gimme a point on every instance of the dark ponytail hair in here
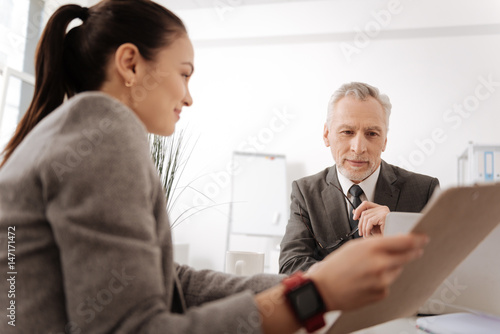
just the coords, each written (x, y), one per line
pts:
(73, 62)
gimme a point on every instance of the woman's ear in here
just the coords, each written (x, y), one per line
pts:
(126, 59)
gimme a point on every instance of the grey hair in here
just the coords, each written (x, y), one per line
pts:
(360, 91)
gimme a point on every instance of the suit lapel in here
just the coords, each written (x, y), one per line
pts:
(386, 190)
(335, 206)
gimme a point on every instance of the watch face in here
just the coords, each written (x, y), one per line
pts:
(306, 301)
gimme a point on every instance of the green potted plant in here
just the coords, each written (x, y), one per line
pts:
(170, 156)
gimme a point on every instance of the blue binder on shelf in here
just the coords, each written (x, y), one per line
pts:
(489, 167)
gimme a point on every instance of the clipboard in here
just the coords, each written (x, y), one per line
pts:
(456, 220)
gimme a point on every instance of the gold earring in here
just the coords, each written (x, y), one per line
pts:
(129, 84)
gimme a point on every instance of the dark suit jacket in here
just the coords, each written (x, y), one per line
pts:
(324, 211)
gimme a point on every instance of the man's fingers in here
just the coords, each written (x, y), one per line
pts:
(362, 223)
(367, 221)
(365, 205)
(368, 226)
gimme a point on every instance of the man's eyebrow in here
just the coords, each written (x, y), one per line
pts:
(345, 126)
(190, 64)
(375, 128)
(351, 127)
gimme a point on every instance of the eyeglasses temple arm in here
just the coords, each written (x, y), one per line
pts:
(348, 200)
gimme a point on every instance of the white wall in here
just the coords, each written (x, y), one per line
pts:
(254, 63)
(264, 74)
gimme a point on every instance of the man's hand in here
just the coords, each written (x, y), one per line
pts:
(361, 271)
(371, 218)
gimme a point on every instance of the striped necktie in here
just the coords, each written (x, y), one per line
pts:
(355, 192)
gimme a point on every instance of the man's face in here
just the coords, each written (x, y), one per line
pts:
(357, 136)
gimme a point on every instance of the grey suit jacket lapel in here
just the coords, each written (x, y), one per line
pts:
(335, 206)
(386, 190)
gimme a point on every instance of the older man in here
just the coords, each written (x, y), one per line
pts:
(321, 214)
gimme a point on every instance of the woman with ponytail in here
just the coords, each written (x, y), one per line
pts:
(85, 237)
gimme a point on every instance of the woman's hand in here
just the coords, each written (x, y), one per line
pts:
(362, 271)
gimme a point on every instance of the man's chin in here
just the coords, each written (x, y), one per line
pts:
(355, 175)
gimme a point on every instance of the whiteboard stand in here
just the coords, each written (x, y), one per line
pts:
(259, 207)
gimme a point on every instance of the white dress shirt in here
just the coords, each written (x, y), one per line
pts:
(368, 186)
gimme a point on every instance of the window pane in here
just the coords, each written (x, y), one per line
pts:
(13, 29)
(11, 110)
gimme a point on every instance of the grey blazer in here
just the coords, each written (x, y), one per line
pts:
(93, 250)
(324, 211)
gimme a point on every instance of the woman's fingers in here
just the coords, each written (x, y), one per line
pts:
(402, 243)
(363, 270)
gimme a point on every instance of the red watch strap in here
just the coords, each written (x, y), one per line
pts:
(295, 280)
(291, 283)
(314, 323)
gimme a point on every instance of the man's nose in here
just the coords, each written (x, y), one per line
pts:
(358, 144)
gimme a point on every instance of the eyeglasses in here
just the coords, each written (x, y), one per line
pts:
(339, 241)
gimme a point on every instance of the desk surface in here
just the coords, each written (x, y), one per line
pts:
(398, 326)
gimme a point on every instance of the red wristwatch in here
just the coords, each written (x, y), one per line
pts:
(305, 301)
